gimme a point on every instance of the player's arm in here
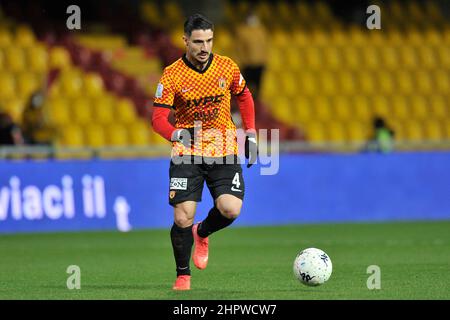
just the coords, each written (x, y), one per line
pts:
(247, 108)
(163, 103)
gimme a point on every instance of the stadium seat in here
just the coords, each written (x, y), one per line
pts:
(59, 58)
(37, 58)
(125, 111)
(103, 110)
(94, 135)
(321, 108)
(419, 107)
(433, 130)
(139, 134)
(341, 108)
(93, 84)
(28, 83)
(315, 132)
(81, 111)
(357, 131)
(116, 135)
(7, 85)
(15, 58)
(58, 112)
(24, 37)
(439, 108)
(71, 136)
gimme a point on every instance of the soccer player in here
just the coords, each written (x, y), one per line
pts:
(198, 87)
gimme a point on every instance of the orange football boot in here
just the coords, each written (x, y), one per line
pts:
(182, 283)
(200, 255)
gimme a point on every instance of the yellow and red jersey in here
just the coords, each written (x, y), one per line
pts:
(202, 98)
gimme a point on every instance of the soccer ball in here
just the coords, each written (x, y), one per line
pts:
(312, 267)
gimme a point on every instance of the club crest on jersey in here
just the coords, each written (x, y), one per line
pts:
(159, 90)
(222, 83)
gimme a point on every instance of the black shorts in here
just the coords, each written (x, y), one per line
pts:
(187, 180)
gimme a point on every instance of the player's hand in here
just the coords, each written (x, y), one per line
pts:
(185, 136)
(251, 148)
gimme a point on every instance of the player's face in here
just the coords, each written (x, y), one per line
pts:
(199, 45)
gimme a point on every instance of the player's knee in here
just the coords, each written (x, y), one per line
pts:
(230, 212)
(183, 221)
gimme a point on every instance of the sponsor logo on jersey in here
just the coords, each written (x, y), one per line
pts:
(222, 83)
(204, 101)
(178, 184)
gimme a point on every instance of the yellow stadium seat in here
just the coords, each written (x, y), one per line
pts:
(93, 84)
(116, 135)
(328, 83)
(405, 82)
(321, 108)
(370, 58)
(381, 106)
(361, 108)
(408, 57)
(308, 83)
(139, 133)
(351, 57)
(424, 84)
(282, 110)
(419, 107)
(385, 83)
(27, 83)
(157, 139)
(400, 108)
(447, 129)
(2, 60)
(24, 36)
(58, 111)
(427, 57)
(15, 59)
(14, 107)
(444, 56)
(276, 60)
(441, 81)
(366, 82)
(413, 131)
(315, 132)
(59, 58)
(313, 57)
(302, 109)
(5, 38)
(288, 85)
(125, 111)
(357, 131)
(71, 136)
(37, 58)
(332, 58)
(71, 83)
(439, 107)
(341, 107)
(94, 136)
(81, 111)
(433, 130)
(335, 131)
(103, 110)
(7, 86)
(347, 83)
(294, 58)
(389, 57)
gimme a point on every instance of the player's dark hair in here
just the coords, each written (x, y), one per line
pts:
(197, 22)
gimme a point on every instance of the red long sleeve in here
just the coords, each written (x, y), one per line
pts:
(247, 108)
(160, 122)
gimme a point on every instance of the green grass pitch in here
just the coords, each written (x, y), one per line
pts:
(245, 263)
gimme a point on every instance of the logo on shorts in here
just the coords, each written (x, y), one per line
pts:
(172, 194)
(178, 183)
(222, 83)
